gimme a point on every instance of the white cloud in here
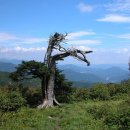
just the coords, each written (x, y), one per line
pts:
(118, 11)
(75, 35)
(119, 6)
(85, 7)
(78, 38)
(18, 52)
(21, 49)
(83, 48)
(115, 18)
(123, 51)
(110, 55)
(7, 37)
(10, 38)
(124, 36)
(84, 42)
(32, 40)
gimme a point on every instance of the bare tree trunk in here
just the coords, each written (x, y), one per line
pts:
(50, 91)
(49, 95)
(49, 98)
(49, 60)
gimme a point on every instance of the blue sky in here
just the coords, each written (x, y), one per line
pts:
(99, 25)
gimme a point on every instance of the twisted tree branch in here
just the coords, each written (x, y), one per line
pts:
(75, 53)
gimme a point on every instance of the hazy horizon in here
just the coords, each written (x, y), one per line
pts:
(80, 64)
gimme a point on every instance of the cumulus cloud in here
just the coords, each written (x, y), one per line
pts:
(119, 6)
(85, 7)
(79, 38)
(10, 38)
(110, 56)
(122, 51)
(126, 50)
(117, 11)
(22, 53)
(7, 37)
(21, 49)
(32, 40)
(84, 42)
(75, 35)
(115, 18)
(124, 36)
(84, 48)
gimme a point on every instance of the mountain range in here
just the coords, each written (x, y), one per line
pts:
(81, 75)
(95, 73)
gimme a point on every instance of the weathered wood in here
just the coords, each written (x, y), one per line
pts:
(48, 83)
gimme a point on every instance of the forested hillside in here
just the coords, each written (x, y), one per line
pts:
(82, 76)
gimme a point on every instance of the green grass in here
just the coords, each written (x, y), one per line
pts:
(76, 116)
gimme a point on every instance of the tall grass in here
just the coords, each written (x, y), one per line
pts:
(86, 115)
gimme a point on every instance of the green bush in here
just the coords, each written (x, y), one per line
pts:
(113, 89)
(125, 86)
(99, 91)
(121, 117)
(11, 101)
(80, 94)
(99, 111)
(119, 96)
(63, 91)
(32, 95)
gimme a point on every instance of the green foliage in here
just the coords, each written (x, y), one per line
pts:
(80, 94)
(99, 111)
(102, 91)
(99, 91)
(32, 95)
(11, 101)
(121, 117)
(113, 89)
(90, 115)
(69, 117)
(28, 70)
(118, 96)
(63, 88)
(119, 91)
(125, 86)
(33, 69)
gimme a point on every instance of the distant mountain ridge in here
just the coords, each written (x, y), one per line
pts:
(96, 73)
(84, 75)
(13, 61)
(7, 67)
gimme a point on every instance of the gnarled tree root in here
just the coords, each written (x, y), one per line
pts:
(46, 103)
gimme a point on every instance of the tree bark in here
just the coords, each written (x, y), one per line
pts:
(50, 62)
(49, 98)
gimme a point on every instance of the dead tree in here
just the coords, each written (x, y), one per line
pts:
(50, 61)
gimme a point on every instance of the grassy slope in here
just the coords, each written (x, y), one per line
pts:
(74, 116)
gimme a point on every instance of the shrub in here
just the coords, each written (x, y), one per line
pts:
(121, 96)
(119, 91)
(32, 95)
(99, 91)
(99, 111)
(11, 101)
(125, 86)
(113, 89)
(63, 91)
(80, 94)
(121, 117)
